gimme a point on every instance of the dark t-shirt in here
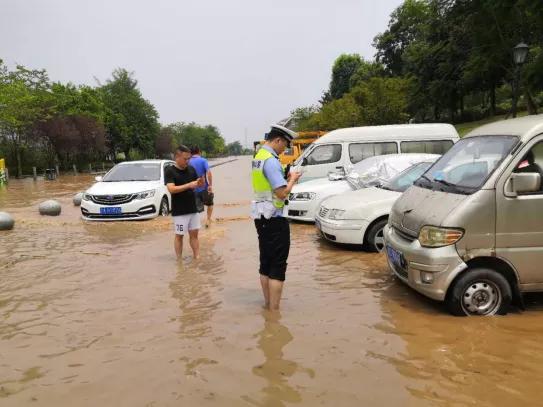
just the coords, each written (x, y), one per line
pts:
(183, 203)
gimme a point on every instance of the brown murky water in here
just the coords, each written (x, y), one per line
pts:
(98, 314)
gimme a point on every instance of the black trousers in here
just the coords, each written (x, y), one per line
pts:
(274, 245)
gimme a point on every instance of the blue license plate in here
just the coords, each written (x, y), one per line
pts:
(395, 257)
(111, 210)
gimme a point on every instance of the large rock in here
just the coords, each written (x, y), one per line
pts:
(6, 221)
(50, 208)
(77, 199)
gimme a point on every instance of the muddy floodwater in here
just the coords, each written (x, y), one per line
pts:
(101, 314)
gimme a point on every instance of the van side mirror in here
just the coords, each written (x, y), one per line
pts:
(522, 183)
(98, 179)
(304, 161)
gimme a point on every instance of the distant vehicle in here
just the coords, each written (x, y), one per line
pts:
(130, 190)
(469, 232)
(340, 149)
(305, 198)
(359, 217)
(299, 144)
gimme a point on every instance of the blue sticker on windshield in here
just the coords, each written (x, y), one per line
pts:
(439, 176)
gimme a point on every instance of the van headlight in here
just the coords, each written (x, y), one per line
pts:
(145, 194)
(302, 196)
(336, 214)
(433, 236)
(86, 197)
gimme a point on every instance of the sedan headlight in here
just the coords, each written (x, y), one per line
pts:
(336, 214)
(86, 197)
(302, 196)
(145, 194)
(433, 236)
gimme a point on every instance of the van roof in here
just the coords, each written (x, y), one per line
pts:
(390, 132)
(524, 127)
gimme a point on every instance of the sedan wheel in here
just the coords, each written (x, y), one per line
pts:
(375, 237)
(164, 208)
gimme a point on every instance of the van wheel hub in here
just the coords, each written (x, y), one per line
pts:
(481, 298)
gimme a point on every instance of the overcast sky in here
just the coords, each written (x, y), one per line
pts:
(238, 64)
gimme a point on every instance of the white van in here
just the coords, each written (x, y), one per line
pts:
(338, 150)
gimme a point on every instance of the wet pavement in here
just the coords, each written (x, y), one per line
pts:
(102, 314)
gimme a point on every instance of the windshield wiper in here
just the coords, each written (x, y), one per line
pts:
(446, 183)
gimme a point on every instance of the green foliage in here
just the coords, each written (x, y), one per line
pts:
(438, 60)
(131, 121)
(45, 124)
(344, 68)
(208, 138)
(234, 148)
(382, 100)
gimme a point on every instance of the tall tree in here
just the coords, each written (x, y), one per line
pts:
(131, 121)
(24, 98)
(344, 68)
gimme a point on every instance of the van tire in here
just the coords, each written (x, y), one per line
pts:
(164, 207)
(374, 241)
(479, 285)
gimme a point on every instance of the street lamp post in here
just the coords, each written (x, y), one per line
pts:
(519, 57)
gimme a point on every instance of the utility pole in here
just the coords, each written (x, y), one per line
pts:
(246, 142)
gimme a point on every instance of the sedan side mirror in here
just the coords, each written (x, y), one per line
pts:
(304, 161)
(98, 179)
(334, 176)
(522, 183)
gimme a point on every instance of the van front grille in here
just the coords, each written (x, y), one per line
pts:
(111, 199)
(404, 235)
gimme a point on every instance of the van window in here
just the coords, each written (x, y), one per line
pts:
(325, 154)
(428, 147)
(288, 151)
(361, 151)
(533, 162)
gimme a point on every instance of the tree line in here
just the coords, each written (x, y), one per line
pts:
(438, 60)
(45, 123)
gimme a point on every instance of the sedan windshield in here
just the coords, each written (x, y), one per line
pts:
(134, 172)
(404, 180)
(468, 164)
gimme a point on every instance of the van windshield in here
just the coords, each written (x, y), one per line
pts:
(468, 164)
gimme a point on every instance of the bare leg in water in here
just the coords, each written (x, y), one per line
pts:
(178, 245)
(194, 243)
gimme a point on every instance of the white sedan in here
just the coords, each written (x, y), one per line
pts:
(130, 190)
(306, 198)
(358, 217)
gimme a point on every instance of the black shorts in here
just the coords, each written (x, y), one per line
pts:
(274, 245)
(203, 198)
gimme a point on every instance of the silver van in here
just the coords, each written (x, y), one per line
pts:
(469, 232)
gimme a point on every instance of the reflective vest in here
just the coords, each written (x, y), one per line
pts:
(262, 188)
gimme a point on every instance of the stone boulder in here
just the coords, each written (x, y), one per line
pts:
(6, 221)
(50, 208)
(77, 199)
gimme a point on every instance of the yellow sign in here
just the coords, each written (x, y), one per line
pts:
(3, 179)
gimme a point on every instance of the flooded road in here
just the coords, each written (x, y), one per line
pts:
(101, 314)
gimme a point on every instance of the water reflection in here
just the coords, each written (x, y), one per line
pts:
(194, 286)
(276, 370)
(448, 360)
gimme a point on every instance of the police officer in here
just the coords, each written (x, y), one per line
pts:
(270, 191)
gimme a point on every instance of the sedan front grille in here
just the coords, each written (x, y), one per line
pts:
(323, 212)
(112, 199)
